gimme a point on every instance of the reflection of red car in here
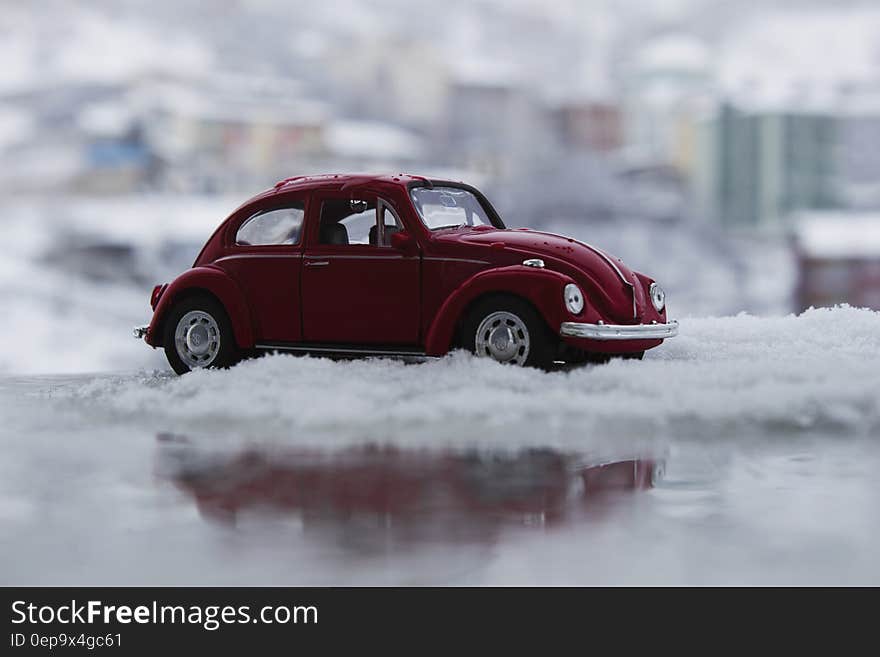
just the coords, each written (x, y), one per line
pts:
(398, 265)
(411, 487)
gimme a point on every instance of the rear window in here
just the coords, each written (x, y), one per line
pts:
(281, 226)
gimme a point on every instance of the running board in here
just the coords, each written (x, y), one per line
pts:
(342, 350)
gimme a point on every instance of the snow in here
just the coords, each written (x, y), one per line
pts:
(484, 72)
(42, 167)
(56, 319)
(768, 428)
(15, 127)
(227, 99)
(74, 47)
(106, 119)
(720, 376)
(675, 53)
(149, 220)
(802, 60)
(839, 235)
(373, 140)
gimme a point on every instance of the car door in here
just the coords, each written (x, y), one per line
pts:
(356, 288)
(264, 257)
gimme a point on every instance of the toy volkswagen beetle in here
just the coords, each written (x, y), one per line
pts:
(398, 266)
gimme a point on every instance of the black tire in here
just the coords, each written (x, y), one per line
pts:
(578, 357)
(542, 343)
(227, 353)
(574, 356)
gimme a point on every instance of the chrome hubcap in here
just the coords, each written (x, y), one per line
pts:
(504, 337)
(197, 339)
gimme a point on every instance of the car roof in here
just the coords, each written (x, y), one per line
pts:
(342, 181)
(337, 181)
(345, 180)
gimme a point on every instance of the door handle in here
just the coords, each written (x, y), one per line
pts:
(317, 263)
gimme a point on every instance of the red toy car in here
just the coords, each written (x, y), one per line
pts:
(398, 265)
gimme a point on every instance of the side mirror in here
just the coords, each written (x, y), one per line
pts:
(404, 242)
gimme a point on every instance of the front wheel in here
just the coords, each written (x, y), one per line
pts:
(508, 330)
(198, 334)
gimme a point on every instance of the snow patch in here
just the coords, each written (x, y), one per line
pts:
(721, 377)
(836, 235)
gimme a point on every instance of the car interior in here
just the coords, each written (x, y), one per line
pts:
(344, 221)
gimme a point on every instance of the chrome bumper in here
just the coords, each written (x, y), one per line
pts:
(619, 331)
(139, 332)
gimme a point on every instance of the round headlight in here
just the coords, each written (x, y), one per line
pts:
(658, 297)
(574, 298)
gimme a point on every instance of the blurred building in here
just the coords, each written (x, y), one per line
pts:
(759, 166)
(231, 132)
(78, 136)
(115, 156)
(586, 125)
(393, 79)
(859, 153)
(226, 132)
(363, 145)
(667, 87)
(796, 126)
(493, 125)
(768, 164)
(838, 258)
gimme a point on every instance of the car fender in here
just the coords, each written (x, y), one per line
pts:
(540, 287)
(215, 281)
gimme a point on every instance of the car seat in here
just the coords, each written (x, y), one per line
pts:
(333, 234)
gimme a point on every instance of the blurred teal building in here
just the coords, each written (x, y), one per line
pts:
(759, 167)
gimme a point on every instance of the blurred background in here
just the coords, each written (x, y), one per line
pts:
(730, 149)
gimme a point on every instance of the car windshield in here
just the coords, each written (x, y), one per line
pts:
(448, 207)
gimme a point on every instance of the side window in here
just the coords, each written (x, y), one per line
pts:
(281, 226)
(347, 221)
(360, 226)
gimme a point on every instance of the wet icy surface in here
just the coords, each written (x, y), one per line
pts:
(291, 470)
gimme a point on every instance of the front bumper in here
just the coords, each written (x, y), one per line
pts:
(619, 331)
(139, 332)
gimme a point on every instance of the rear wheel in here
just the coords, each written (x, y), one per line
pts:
(198, 334)
(508, 330)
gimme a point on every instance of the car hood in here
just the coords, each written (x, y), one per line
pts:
(610, 283)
